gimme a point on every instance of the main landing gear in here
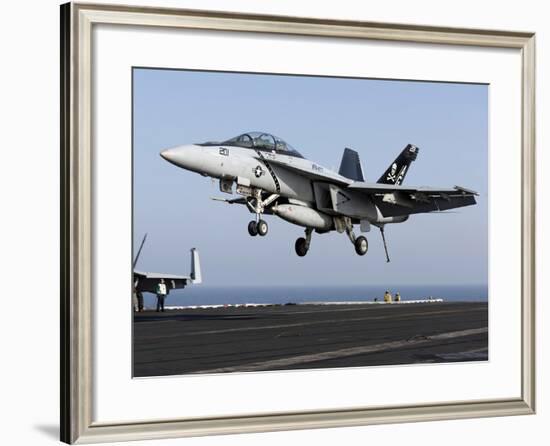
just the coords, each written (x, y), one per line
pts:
(258, 228)
(302, 244)
(360, 243)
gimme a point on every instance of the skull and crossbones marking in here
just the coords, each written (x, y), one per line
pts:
(392, 174)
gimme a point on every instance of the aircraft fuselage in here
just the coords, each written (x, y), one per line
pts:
(248, 167)
(273, 178)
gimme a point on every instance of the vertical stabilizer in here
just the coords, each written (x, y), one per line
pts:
(395, 173)
(350, 167)
(196, 275)
(139, 250)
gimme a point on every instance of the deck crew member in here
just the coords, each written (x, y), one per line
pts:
(161, 295)
(139, 295)
(387, 297)
(397, 297)
(135, 299)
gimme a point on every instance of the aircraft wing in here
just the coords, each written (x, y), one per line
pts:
(394, 200)
(147, 282)
(314, 172)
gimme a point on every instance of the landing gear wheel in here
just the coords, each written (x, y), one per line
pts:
(261, 227)
(361, 245)
(252, 228)
(301, 247)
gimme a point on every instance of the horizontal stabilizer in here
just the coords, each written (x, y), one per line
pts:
(377, 188)
(395, 200)
(350, 167)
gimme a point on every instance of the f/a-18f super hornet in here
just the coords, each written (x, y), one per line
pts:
(147, 282)
(274, 178)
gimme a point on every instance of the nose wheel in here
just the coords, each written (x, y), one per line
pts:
(253, 228)
(258, 228)
(262, 227)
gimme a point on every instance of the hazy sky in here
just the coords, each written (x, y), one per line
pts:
(319, 117)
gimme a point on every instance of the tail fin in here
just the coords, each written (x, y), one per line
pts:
(139, 250)
(397, 170)
(196, 275)
(350, 167)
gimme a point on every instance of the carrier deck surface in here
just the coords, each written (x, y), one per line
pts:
(307, 336)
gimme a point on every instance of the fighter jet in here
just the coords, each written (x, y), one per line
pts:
(147, 282)
(272, 177)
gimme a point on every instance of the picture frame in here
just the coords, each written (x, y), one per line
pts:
(77, 220)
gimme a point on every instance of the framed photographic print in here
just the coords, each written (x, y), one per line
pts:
(295, 217)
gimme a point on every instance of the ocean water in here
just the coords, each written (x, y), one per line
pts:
(209, 295)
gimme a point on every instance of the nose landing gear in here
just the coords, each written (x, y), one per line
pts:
(258, 228)
(257, 205)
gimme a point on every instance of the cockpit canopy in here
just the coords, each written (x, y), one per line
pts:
(262, 141)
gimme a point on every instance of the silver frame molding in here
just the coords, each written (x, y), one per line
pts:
(77, 20)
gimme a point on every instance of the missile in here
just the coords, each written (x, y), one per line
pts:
(304, 216)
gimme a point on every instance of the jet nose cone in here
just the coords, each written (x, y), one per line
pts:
(188, 157)
(168, 154)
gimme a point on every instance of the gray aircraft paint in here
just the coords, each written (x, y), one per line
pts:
(265, 176)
